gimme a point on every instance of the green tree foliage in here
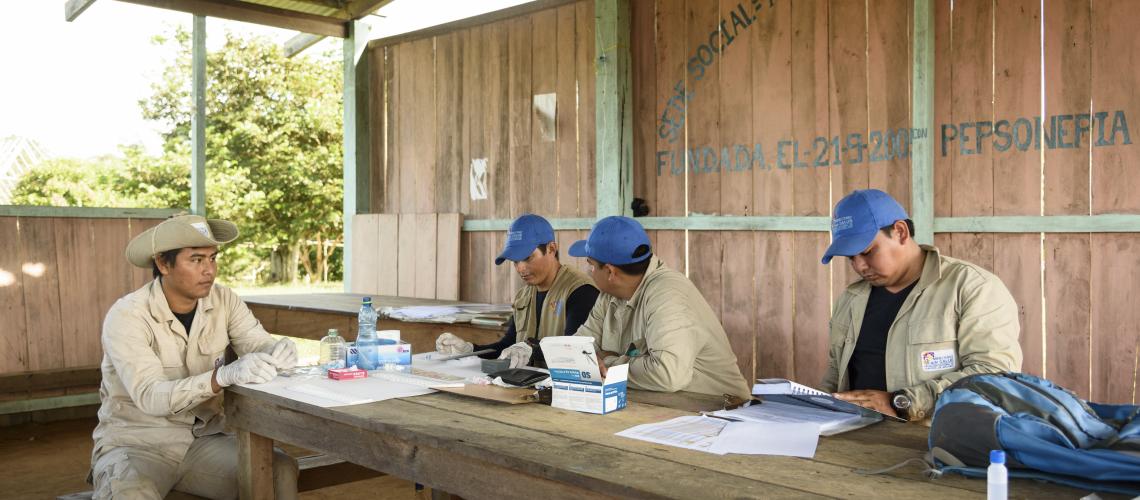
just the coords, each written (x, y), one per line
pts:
(273, 157)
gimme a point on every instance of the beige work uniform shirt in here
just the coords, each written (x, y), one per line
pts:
(680, 343)
(156, 390)
(958, 320)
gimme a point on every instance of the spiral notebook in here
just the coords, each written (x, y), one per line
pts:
(789, 392)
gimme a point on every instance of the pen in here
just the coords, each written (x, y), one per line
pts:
(730, 419)
(464, 355)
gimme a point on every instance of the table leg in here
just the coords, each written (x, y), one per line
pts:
(255, 466)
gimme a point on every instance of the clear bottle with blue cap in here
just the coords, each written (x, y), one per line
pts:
(367, 343)
(997, 477)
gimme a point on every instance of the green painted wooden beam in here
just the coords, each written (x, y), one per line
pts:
(300, 42)
(356, 136)
(922, 117)
(38, 404)
(614, 108)
(88, 212)
(1107, 223)
(73, 8)
(1111, 223)
(198, 119)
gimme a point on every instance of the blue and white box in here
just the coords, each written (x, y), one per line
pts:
(575, 378)
(392, 355)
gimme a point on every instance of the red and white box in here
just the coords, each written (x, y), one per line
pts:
(347, 373)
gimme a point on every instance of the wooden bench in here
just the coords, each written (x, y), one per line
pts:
(316, 472)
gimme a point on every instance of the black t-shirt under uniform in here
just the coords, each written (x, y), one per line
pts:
(867, 368)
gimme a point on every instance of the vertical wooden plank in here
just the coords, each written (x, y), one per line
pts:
(773, 190)
(771, 108)
(543, 188)
(1068, 258)
(703, 118)
(1115, 47)
(14, 335)
(255, 466)
(472, 81)
(498, 124)
(671, 110)
(888, 95)
(738, 300)
(426, 258)
(587, 138)
(365, 255)
(447, 256)
(809, 108)
(406, 260)
(847, 92)
(644, 68)
(110, 238)
(37, 262)
(944, 70)
(811, 194)
(1115, 346)
(669, 246)
(1067, 288)
(973, 184)
(80, 327)
(423, 124)
(406, 122)
(449, 128)
(468, 281)
(706, 254)
(520, 105)
(566, 132)
(1017, 175)
(377, 82)
(775, 341)
(387, 254)
(393, 133)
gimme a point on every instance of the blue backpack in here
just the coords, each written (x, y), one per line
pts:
(1047, 432)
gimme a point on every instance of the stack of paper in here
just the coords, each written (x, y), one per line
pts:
(829, 422)
(719, 436)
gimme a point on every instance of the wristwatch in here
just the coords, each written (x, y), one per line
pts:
(901, 403)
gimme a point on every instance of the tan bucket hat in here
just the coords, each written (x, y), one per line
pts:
(183, 231)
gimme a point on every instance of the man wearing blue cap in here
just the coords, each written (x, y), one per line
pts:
(555, 301)
(917, 321)
(653, 318)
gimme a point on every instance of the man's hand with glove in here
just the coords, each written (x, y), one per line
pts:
(284, 353)
(253, 368)
(448, 344)
(519, 354)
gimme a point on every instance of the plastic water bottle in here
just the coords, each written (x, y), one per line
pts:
(366, 340)
(334, 351)
(997, 477)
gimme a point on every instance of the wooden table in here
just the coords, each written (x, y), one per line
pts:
(479, 449)
(310, 316)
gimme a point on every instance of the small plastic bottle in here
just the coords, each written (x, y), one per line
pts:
(997, 477)
(334, 351)
(366, 341)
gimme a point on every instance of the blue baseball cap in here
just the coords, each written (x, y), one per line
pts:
(858, 216)
(613, 240)
(525, 234)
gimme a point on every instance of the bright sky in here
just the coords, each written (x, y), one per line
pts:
(75, 87)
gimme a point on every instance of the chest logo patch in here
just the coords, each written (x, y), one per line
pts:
(934, 361)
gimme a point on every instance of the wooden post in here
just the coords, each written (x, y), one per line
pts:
(614, 107)
(198, 120)
(356, 142)
(922, 117)
(255, 466)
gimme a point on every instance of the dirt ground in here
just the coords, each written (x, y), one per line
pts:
(43, 460)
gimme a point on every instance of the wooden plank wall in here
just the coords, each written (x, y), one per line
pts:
(779, 108)
(469, 94)
(58, 278)
(407, 255)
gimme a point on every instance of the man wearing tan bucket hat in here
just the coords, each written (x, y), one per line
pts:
(160, 423)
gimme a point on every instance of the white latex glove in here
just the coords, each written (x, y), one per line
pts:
(448, 344)
(284, 353)
(253, 368)
(519, 354)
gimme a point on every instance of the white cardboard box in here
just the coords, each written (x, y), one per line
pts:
(577, 385)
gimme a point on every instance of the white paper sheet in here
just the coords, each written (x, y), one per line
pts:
(755, 438)
(829, 422)
(325, 392)
(695, 433)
